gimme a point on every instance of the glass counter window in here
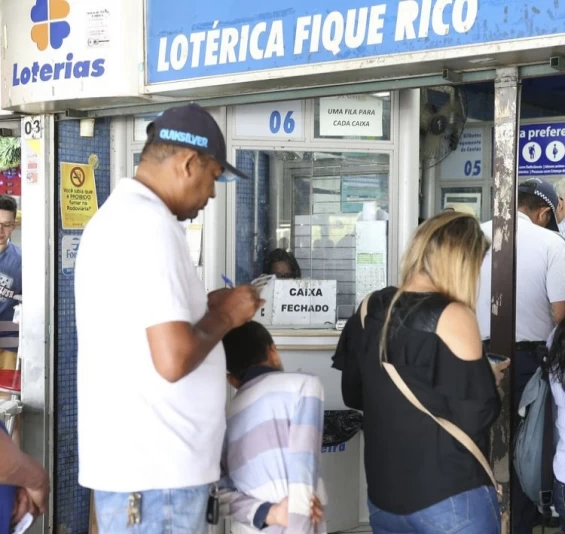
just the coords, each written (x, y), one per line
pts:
(319, 222)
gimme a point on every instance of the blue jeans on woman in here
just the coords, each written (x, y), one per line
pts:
(473, 512)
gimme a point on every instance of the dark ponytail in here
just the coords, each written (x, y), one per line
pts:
(556, 355)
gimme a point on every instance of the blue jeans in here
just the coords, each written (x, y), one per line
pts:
(559, 501)
(176, 511)
(473, 512)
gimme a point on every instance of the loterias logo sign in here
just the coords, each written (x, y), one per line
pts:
(50, 29)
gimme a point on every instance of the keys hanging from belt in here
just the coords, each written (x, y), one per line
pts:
(213, 508)
(134, 509)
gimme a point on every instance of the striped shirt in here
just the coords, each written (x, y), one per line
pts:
(272, 450)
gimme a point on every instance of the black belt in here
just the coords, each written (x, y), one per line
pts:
(527, 346)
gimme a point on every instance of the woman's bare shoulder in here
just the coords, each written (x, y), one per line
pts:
(459, 330)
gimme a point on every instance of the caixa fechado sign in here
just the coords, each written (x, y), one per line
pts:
(304, 302)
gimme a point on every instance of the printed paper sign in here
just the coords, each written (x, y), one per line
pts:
(78, 195)
(542, 149)
(69, 249)
(351, 116)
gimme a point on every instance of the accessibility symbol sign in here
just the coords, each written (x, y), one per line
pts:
(78, 177)
(542, 149)
(78, 195)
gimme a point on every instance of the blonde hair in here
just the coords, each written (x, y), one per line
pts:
(449, 248)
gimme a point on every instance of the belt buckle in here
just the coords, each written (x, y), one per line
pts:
(546, 498)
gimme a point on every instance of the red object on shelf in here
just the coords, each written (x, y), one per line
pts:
(10, 380)
(11, 182)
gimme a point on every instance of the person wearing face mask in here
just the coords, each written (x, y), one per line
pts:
(540, 302)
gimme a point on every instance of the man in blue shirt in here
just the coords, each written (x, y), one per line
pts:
(10, 290)
(10, 282)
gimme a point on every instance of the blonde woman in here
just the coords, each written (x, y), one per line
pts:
(420, 480)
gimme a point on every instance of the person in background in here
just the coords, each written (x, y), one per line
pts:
(559, 187)
(24, 484)
(556, 365)
(10, 292)
(151, 366)
(540, 303)
(273, 439)
(282, 264)
(10, 283)
(420, 480)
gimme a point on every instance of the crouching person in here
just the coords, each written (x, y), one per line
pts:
(273, 440)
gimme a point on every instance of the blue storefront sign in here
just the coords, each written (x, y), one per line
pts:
(542, 149)
(188, 40)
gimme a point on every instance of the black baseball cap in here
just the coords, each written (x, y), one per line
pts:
(544, 190)
(191, 126)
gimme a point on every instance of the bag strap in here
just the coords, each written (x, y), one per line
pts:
(448, 426)
(548, 446)
(364, 308)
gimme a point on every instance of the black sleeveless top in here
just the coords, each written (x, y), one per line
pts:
(411, 462)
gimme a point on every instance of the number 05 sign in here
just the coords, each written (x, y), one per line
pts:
(281, 120)
(466, 161)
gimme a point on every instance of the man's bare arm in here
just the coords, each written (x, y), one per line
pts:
(19, 469)
(178, 348)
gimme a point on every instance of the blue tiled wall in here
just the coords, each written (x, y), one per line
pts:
(245, 271)
(72, 504)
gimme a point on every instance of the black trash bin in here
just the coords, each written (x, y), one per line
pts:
(340, 426)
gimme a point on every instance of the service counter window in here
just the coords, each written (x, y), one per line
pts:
(318, 221)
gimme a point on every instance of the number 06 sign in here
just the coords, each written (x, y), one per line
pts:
(281, 120)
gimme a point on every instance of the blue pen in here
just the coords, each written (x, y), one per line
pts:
(228, 282)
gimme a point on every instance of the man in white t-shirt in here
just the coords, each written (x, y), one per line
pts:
(151, 366)
(540, 302)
